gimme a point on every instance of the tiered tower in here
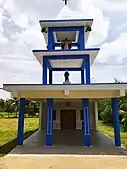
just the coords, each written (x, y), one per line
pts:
(66, 39)
(66, 51)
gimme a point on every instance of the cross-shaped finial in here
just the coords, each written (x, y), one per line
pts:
(65, 1)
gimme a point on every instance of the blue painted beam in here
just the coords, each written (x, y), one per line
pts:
(50, 39)
(49, 123)
(49, 65)
(66, 29)
(86, 122)
(83, 64)
(115, 113)
(50, 76)
(65, 57)
(21, 121)
(82, 77)
(87, 67)
(81, 39)
(64, 69)
(44, 70)
(88, 49)
(69, 20)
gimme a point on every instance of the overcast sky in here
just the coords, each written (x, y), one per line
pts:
(20, 34)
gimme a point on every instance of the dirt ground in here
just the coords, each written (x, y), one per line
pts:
(71, 162)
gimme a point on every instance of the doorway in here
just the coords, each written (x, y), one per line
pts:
(68, 119)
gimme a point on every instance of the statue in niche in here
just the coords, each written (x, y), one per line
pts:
(66, 75)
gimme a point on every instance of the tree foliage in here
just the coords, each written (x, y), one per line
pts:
(105, 110)
(12, 106)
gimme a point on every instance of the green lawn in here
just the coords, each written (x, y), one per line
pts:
(8, 132)
(110, 132)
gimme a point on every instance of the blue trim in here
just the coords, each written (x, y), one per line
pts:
(83, 64)
(69, 20)
(49, 123)
(66, 28)
(65, 57)
(86, 121)
(49, 65)
(81, 40)
(50, 76)
(44, 71)
(88, 49)
(50, 39)
(82, 77)
(87, 66)
(115, 113)
(91, 84)
(64, 69)
(21, 122)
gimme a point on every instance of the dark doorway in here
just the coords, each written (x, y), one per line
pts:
(68, 119)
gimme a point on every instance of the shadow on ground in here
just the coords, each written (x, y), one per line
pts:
(6, 148)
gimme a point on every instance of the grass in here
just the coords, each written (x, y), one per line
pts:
(109, 130)
(8, 132)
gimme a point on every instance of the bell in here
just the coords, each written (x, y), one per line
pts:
(88, 28)
(43, 30)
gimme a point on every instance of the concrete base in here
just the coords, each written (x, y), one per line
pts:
(69, 142)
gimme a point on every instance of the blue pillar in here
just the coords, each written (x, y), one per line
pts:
(87, 66)
(50, 39)
(21, 121)
(115, 113)
(82, 77)
(81, 41)
(86, 121)
(49, 123)
(44, 70)
(50, 76)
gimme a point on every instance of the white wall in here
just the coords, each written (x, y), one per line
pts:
(62, 106)
(58, 106)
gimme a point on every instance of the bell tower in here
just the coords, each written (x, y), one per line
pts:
(66, 51)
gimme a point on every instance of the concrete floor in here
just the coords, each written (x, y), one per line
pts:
(69, 142)
(70, 138)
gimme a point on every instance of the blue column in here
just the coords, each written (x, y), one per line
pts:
(50, 76)
(115, 113)
(50, 39)
(87, 66)
(82, 77)
(81, 41)
(44, 70)
(49, 123)
(21, 121)
(86, 121)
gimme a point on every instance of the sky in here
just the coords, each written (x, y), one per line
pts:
(20, 33)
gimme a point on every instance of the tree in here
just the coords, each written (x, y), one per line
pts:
(32, 107)
(105, 111)
(12, 106)
(2, 105)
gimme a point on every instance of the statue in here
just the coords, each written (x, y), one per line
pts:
(66, 75)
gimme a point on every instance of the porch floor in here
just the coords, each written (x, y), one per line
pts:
(70, 138)
(69, 142)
